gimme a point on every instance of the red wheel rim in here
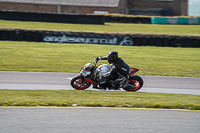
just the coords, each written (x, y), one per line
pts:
(79, 85)
(136, 85)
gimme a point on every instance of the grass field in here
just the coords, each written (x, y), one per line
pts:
(55, 57)
(108, 27)
(62, 98)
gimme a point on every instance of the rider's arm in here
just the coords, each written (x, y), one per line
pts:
(103, 58)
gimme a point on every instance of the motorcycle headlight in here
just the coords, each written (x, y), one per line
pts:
(85, 72)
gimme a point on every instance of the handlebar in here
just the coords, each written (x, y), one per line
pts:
(95, 61)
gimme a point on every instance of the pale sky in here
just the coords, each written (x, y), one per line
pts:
(194, 7)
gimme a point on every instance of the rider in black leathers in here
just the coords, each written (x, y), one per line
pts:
(117, 66)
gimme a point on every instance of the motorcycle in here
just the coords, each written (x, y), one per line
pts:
(93, 74)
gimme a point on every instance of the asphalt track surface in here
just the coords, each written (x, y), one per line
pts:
(61, 81)
(96, 120)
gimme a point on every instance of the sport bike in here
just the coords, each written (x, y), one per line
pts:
(93, 74)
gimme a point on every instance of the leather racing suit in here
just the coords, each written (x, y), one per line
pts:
(121, 68)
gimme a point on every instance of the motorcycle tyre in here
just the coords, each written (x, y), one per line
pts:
(137, 80)
(79, 87)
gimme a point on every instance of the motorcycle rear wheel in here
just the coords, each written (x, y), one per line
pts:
(135, 81)
(78, 84)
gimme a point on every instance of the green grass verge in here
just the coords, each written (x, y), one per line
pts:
(63, 98)
(108, 27)
(55, 57)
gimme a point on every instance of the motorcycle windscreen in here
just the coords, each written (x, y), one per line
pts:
(103, 69)
(87, 66)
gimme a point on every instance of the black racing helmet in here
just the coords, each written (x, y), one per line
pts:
(112, 56)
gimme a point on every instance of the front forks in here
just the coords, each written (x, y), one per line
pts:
(82, 79)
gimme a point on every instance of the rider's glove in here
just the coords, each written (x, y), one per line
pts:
(98, 58)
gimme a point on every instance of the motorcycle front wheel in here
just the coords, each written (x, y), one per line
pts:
(78, 84)
(135, 81)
